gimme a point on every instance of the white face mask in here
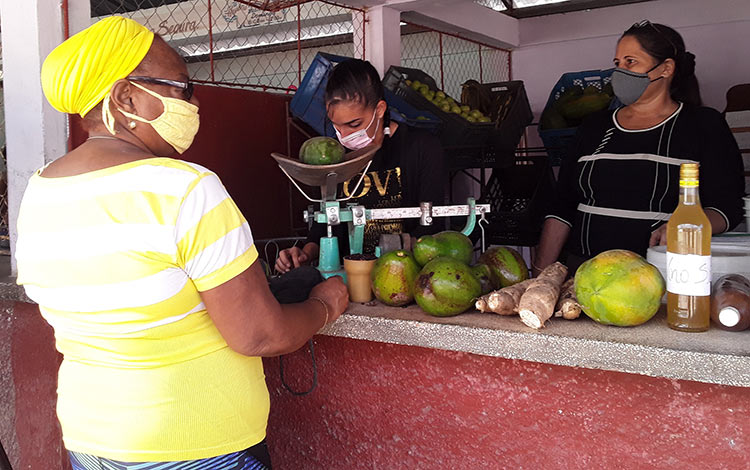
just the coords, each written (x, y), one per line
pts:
(359, 139)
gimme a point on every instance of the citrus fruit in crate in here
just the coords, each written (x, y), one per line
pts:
(619, 287)
(321, 151)
(445, 287)
(393, 278)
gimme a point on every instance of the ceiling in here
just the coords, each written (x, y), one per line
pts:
(514, 8)
(111, 7)
(530, 8)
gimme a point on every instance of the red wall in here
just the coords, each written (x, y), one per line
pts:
(386, 406)
(34, 363)
(239, 130)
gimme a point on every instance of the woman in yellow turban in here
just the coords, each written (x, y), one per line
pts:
(147, 271)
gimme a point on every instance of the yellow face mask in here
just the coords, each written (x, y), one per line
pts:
(177, 124)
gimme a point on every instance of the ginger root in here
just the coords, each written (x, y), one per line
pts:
(567, 305)
(537, 304)
(503, 301)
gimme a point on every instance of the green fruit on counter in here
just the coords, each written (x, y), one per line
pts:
(475, 113)
(465, 109)
(430, 95)
(619, 287)
(448, 244)
(423, 88)
(321, 151)
(408, 83)
(445, 287)
(445, 107)
(507, 266)
(393, 277)
(456, 109)
(416, 85)
(441, 94)
(485, 119)
(471, 118)
(484, 275)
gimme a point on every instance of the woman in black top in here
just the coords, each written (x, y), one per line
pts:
(406, 170)
(619, 182)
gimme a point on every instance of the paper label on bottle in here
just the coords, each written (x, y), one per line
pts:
(688, 274)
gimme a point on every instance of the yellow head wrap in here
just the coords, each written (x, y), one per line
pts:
(79, 73)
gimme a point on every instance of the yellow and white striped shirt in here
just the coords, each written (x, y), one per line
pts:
(116, 259)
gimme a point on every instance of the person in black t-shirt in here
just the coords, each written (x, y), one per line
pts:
(618, 184)
(408, 168)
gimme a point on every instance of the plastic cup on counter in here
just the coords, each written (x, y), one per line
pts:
(358, 269)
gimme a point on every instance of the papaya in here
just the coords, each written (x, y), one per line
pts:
(321, 151)
(506, 265)
(446, 287)
(591, 90)
(585, 105)
(567, 96)
(448, 243)
(552, 119)
(393, 277)
(619, 287)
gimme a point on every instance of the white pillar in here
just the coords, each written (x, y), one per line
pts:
(35, 132)
(383, 41)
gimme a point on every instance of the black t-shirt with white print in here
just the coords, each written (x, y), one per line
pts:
(617, 185)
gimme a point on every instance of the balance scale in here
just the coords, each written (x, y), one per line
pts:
(331, 213)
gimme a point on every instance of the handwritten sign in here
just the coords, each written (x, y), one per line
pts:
(688, 274)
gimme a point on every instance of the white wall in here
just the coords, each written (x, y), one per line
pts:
(716, 31)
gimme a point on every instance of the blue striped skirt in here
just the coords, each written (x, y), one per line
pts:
(242, 460)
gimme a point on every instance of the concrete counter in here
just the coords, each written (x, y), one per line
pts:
(651, 349)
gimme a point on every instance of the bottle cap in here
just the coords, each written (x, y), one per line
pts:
(689, 175)
(729, 316)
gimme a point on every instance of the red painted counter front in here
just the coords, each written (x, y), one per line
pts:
(382, 406)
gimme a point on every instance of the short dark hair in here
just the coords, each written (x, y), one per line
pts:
(354, 80)
(662, 42)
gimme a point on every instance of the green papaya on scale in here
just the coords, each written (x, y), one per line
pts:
(321, 151)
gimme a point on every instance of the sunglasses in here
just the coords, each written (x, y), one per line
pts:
(647, 23)
(186, 87)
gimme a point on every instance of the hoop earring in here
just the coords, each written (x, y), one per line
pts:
(132, 124)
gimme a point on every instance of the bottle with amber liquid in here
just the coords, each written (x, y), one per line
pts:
(689, 258)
